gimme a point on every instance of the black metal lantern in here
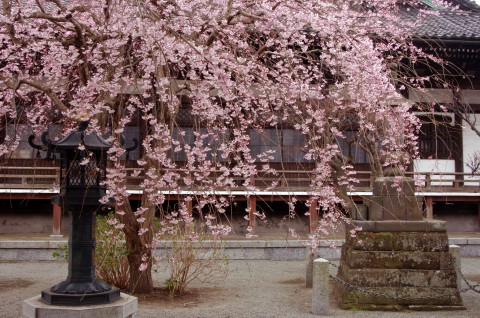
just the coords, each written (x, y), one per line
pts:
(83, 167)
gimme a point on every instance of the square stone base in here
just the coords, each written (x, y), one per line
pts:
(399, 265)
(125, 307)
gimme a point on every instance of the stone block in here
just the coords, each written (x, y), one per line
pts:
(395, 260)
(458, 240)
(320, 289)
(284, 254)
(329, 243)
(444, 278)
(470, 251)
(393, 186)
(455, 251)
(430, 296)
(354, 299)
(436, 226)
(373, 241)
(125, 307)
(370, 277)
(360, 213)
(242, 253)
(473, 241)
(9, 255)
(422, 260)
(329, 253)
(427, 278)
(373, 259)
(421, 241)
(365, 225)
(435, 308)
(375, 208)
(394, 207)
(447, 261)
(414, 208)
(400, 226)
(415, 278)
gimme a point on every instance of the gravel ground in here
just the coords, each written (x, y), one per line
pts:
(252, 289)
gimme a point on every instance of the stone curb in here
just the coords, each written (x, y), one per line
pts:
(24, 250)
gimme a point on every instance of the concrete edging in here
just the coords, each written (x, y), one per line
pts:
(42, 250)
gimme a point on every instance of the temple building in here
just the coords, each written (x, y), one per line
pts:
(449, 146)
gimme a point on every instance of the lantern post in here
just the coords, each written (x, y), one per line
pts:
(83, 168)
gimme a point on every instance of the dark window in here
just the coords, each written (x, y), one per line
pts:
(278, 145)
(435, 137)
(350, 149)
(184, 136)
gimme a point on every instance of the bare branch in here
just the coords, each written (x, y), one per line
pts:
(46, 16)
(45, 89)
(473, 162)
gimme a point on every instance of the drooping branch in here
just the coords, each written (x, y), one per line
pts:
(47, 90)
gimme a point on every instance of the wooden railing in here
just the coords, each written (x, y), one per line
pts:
(28, 177)
(46, 177)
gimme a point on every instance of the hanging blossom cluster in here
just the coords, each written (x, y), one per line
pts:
(233, 66)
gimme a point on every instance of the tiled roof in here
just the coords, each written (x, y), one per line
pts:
(466, 4)
(460, 24)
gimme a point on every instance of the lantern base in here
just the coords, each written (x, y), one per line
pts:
(125, 307)
(78, 294)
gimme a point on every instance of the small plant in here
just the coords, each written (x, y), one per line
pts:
(111, 261)
(193, 253)
(62, 252)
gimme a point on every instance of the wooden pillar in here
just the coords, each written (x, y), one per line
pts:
(252, 208)
(189, 205)
(57, 219)
(313, 217)
(429, 207)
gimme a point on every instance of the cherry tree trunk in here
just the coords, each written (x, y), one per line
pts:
(140, 281)
(139, 251)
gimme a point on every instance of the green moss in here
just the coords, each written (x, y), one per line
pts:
(352, 298)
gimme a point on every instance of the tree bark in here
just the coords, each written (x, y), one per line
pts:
(139, 251)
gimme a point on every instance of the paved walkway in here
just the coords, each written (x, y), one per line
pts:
(256, 288)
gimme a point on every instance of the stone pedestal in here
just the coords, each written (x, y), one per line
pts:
(394, 199)
(398, 265)
(125, 307)
(398, 260)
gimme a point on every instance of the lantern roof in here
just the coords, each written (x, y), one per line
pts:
(91, 141)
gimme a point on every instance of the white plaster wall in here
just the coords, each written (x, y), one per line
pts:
(471, 143)
(436, 166)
